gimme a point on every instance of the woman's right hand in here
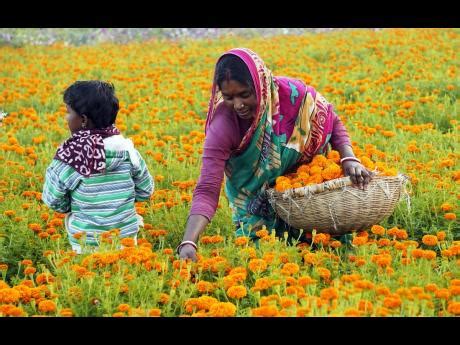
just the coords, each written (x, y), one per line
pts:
(187, 251)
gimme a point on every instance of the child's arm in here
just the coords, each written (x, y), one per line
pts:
(143, 181)
(55, 194)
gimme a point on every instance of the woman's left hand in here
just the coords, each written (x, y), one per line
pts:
(359, 175)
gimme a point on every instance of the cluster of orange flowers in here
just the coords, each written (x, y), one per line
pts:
(325, 168)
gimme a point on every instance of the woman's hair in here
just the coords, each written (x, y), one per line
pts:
(231, 67)
(95, 99)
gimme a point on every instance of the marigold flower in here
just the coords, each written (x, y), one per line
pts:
(257, 265)
(237, 292)
(222, 309)
(241, 241)
(324, 273)
(359, 240)
(454, 308)
(123, 307)
(450, 216)
(268, 311)
(441, 235)
(392, 302)
(329, 293)
(290, 269)
(29, 270)
(378, 230)
(46, 306)
(442, 293)
(262, 233)
(430, 240)
(204, 286)
(429, 254)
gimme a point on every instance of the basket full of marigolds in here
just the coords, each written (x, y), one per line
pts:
(319, 197)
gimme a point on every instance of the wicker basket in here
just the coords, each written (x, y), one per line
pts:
(337, 207)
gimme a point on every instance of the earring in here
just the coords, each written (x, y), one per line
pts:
(83, 125)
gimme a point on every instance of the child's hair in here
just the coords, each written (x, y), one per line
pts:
(95, 99)
(231, 67)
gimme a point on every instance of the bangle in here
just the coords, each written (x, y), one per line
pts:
(183, 243)
(344, 159)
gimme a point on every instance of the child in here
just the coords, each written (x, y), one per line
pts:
(96, 174)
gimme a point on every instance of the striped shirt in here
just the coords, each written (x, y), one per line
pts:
(100, 202)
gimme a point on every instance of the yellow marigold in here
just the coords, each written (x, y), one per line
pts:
(237, 292)
(430, 240)
(257, 265)
(222, 309)
(378, 230)
(46, 306)
(431, 287)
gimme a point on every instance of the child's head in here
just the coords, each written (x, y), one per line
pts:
(90, 104)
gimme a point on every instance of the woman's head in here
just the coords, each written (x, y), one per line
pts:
(90, 104)
(236, 85)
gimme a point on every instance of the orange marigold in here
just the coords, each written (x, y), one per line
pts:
(222, 309)
(46, 306)
(257, 265)
(450, 216)
(237, 292)
(430, 240)
(378, 230)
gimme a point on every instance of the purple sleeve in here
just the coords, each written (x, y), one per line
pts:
(339, 135)
(218, 145)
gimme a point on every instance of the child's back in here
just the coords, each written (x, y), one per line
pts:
(98, 197)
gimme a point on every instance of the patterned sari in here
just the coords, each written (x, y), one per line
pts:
(292, 124)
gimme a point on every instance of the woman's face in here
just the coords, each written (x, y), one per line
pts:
(74, 121)
(240, 97)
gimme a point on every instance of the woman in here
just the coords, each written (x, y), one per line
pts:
(258, 128)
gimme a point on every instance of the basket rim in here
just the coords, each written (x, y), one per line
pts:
(329, 186)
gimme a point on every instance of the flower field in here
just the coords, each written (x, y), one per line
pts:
(396, 90)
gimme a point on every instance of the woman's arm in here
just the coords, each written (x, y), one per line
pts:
(219, 143)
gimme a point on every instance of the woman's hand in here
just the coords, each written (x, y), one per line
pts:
(187, 251)
(359, 175)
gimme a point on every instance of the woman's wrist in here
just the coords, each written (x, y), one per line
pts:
(184, 243)
(350, 158)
